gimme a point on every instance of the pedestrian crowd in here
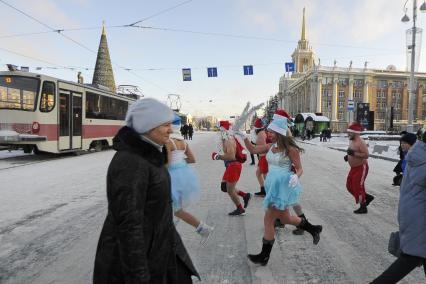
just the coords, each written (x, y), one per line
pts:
(151, 182)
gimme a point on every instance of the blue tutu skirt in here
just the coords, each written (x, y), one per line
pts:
(185, 185)
(278, 192)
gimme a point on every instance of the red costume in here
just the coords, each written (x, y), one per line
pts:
(355, 182)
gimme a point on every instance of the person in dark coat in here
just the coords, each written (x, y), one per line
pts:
(139, 242)
(190, 131)
(411, 212)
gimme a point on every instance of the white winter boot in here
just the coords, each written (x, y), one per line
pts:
(204, 231)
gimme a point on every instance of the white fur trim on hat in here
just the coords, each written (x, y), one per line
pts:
(147, 114)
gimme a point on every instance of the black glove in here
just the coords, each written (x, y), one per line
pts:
(345, 158)
(350, 152)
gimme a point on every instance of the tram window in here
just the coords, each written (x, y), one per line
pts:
(104, 107)
(64, 129)
(47, 100)
(18, 92)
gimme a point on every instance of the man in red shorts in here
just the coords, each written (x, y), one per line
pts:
(357, 155)
(232, 171)
(262, 165)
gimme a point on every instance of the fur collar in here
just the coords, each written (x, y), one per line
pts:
(128, 140)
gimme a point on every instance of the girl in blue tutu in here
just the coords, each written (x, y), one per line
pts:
(185, 186)
(282, 185)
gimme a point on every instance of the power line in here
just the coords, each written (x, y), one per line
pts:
(159, 13)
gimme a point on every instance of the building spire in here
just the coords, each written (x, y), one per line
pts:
(303, 37)
(103, 74)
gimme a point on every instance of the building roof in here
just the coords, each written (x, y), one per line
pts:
(305, 115)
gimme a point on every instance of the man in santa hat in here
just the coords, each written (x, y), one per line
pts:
(233, 169)
(262, 165)
(357, 155)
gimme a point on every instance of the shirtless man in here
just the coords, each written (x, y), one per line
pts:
(262, 165)
(357, 155)
(232, 171)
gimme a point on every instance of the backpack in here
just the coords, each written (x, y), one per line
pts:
(240, 156)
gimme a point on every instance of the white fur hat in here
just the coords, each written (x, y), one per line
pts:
(146, 114)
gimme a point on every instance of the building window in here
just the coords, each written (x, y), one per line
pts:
(381, 84)
(340, 115)
(397, 84)
(343, 81)
(341, 104)
(342, 94)
(328, 80)
(358, 83)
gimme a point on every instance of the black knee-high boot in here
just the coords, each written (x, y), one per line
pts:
(298, 230)
(314, 230)
(263, 257)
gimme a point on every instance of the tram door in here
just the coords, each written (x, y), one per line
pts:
(70, 118)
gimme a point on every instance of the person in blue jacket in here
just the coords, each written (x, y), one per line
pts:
(411, 217)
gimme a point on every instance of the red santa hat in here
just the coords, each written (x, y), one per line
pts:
(225, 124)
(258, 123)
(355, 127)
(281, 114)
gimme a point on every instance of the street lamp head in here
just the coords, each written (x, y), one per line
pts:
(405, 19)
(423, 7)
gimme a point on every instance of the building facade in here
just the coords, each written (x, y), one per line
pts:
(327, 90)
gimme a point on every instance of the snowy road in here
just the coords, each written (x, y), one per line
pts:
(51, 213)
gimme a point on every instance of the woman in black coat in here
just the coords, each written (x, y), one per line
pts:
(139, 242)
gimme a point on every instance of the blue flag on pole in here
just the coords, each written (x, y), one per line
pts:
(186, 74)
(248, 69)
(212, 72)
(289, 67)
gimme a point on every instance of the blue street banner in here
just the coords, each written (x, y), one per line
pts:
(289, 67)
(186, 73)
(248, 69)
(212, 72)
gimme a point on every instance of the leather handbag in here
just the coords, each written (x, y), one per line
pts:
(394, 247)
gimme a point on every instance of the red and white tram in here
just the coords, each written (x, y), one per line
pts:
(43, 113)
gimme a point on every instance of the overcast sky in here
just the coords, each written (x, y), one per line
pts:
(197, 34)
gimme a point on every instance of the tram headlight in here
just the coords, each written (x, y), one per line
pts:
(35, 127)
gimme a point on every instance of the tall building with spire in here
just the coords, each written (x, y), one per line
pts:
(337, 92)
(103, 74)
(303, 56)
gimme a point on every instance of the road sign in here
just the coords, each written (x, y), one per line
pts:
(248, 69)
(186, 73)
(351, 105)
(289, 67)
(212, 72)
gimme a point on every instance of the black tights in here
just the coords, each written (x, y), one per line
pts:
(400, 268)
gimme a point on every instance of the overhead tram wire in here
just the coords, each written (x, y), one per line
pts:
(59, 31)
(159, 13)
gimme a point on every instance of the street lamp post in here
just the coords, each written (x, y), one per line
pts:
(412, 47)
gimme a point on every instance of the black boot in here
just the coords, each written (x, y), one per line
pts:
(368, 199)
(362, 209)
(300, 231)
(262, 192)
(263, 257)
(314, 230)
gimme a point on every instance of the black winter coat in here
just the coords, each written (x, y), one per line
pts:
(139, 242)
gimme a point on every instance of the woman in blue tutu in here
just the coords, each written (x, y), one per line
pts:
(185, 185)
(282, 185)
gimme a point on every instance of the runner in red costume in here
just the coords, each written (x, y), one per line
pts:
(357, 155)
(262, 165)
(232, 171)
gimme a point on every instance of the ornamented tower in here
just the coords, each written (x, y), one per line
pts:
(303, 56)
(103, 74)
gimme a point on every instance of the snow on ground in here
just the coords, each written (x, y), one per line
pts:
(52, 210)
